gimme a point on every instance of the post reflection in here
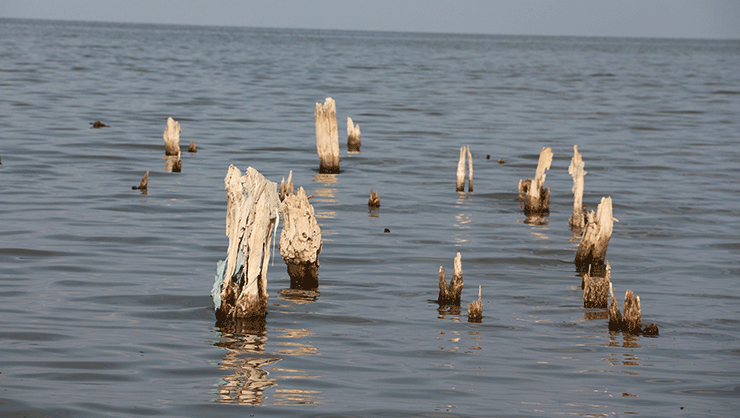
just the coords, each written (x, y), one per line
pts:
(250, 364)
(325, 194)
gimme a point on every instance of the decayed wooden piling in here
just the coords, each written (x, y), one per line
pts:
(615, 314)
(327, 137)
(192, 147)
(460, 184)
(374, 201)
(537, 198)
(300, 241)
(450, 295)
(631, 320)
(240, 288)
(144, 182)
(596, 289)
(286, 187)
(353, 136)
(577, 221)
(172, 138)
(475, 309)
(595, 238)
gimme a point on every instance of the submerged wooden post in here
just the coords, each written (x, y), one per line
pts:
(353, 136)
(171, 137)
(144, 182)
(595, 238)
(475, 309)
(327, 137)
(286, 187)
(192, 147)
(460, 185)
(538, 196)
(577, 221)
(300, 241)
(450, 295)
(374, 201)
(240, 288)
(596, 290)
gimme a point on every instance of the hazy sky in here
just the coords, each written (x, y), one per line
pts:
(641, 18)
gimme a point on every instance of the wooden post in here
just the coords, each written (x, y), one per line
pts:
(450, 295)
(144, 182)
(470, 170)
(595, 238)
(632, 317)
(460, 185)
(172, 138)
(192, 147)
(300, 241)
(475, 309)
(374, 201)
(596, 290)
(537, 200)
(286, 187)
(327, 137)
(240, 288)
(577, 221)
(615, 314)
(353, 137)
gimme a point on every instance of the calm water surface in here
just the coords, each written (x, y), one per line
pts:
(105, 291)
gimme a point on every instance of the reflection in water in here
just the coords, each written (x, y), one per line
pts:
(325, 195)
(373, 213)
(462, 221)
(171, 163)
(591, 315)
(248, 362)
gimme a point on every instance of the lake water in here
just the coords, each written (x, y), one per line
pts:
(105, 292)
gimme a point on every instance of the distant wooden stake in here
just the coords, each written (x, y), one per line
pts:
(475, 309)
(286, 187)
(450, 295)
(631, 320)
(172, 137)
(192, 147)
(240, 288)
(327, 137)
(374, 200)
(300, 241)
(353, 136)
(460, 187)
(595, 238)
(470, 170)
(577, 221)
(538, 196)
(144, 182)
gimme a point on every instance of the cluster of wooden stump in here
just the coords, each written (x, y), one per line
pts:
(255, 206)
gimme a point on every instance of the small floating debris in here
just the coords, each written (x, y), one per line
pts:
(387, 231)
(450, 295)
(537, 200)
(353, 137)
(327, 137)
(98, 124)
(475, 309)
(501, 160)
(374, 201)
(144, 182)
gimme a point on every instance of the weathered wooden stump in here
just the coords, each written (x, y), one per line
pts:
(353, 137)
(172, 138)
(300, 241)
(596, 289)
(286, 187)
(327, 136)
(144, 182)
(240, 288)
(192, 147)
(450, 295)
(596, 236)
(577, 222)
(631, 321)
(537, 200)
(475, 309)
(460, 183)
(374, 201)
